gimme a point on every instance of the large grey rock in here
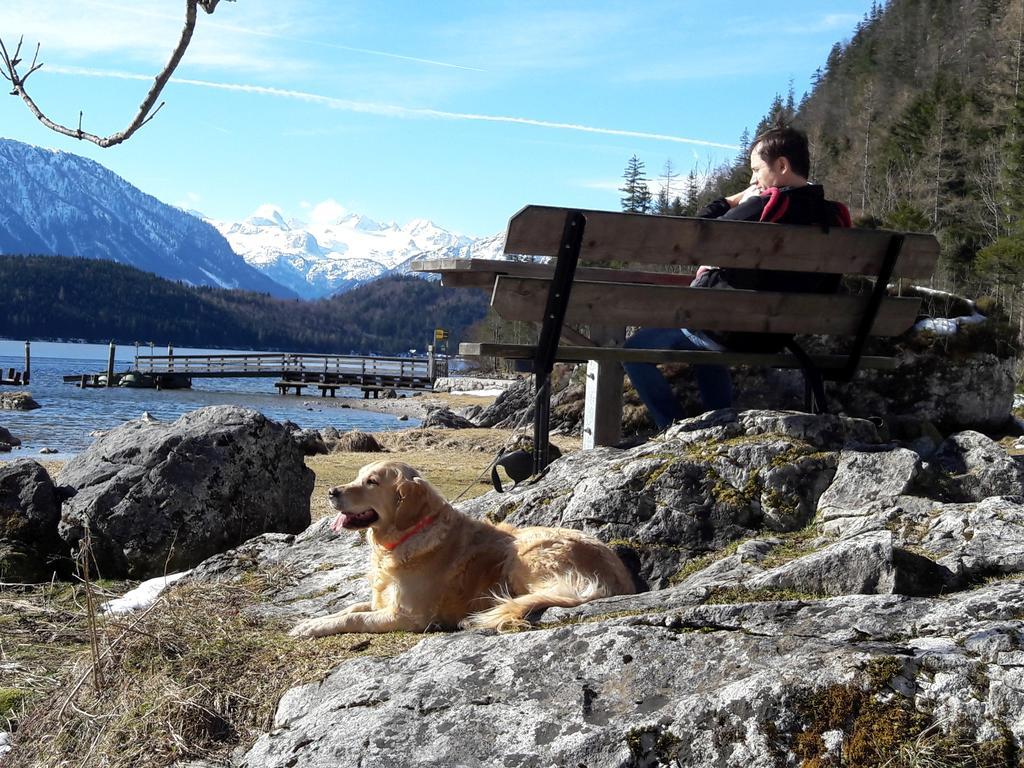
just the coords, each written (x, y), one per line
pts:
(973, 467)
(314, 573)
(29, 513)
(715, 685)
(445, 418)
(514, 407)
(863, 477)
(17, 401)
(7, 438)
(310, 442)
(715, 670)
(355, 441)
(867, 564)
(963, 391)
(972, 541)
(163, 497)
(470, 384)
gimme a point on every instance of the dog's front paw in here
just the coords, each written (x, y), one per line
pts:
(312, 628)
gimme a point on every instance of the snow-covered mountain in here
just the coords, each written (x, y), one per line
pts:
(57, 203)
(332, 254)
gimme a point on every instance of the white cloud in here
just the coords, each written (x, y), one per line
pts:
(143, 32)
(327, 212)
(391, 110)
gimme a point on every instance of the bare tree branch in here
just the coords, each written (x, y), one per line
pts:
(146, 110)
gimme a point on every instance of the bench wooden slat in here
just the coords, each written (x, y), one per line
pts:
(480, 273)
(571, 354)
(536, 231)
(522, 298)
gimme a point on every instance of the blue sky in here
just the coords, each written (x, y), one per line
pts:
(458, 112)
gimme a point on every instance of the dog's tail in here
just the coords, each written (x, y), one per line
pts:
(509, 613)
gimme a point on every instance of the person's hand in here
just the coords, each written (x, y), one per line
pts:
(746, 194)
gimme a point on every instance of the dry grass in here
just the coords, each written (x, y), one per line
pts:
(193, 677)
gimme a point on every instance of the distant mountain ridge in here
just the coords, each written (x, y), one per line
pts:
(60, 204)
(325, 257)
(57, 203)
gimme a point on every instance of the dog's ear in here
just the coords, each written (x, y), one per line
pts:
(412, 497)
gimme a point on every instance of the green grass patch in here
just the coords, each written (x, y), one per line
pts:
(733, 595)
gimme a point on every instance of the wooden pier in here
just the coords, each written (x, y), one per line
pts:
(16, 378)
(293, 372)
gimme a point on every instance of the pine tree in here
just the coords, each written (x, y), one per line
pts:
(637, 195)
(663, 206)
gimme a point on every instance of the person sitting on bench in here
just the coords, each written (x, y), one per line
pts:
(780, 193)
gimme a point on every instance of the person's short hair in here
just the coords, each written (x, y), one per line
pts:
(788, 143)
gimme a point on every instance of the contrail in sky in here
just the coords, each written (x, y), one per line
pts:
(387, 109)
(121, 8)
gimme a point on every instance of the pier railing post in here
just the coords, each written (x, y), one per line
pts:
(110, 365)
(28, 363)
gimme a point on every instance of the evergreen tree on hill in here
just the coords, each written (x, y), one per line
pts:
(636, 194)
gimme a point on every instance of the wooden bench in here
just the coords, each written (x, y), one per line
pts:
(284, 386)
(638, 291)
(328, 388)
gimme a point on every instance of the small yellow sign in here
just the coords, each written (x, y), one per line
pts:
(440, 334)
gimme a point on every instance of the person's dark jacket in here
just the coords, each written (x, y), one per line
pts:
(786, 205)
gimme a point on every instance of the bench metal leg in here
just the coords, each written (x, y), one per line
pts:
(551, 331)
(814, 384)
(871, 310)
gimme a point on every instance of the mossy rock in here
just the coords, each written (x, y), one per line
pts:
(21, 564)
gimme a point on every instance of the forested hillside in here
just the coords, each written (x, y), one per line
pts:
(55, 297)
(917, 123)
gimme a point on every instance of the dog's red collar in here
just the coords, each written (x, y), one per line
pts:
(421, 525)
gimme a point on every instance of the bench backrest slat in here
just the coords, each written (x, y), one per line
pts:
(639, 238)
(522, 298)
(480, 273)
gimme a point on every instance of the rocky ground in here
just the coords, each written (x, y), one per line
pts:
(815, 590)
(44, 628)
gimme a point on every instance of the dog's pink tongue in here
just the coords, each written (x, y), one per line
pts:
(339, 522)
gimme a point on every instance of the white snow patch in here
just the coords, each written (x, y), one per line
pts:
(143, 595)
(5, 743)
(937, 294)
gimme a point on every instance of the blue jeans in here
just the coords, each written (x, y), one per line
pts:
(713, 381)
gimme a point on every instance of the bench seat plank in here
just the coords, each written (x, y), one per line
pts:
(572, 354)
(522, 298)
(640, 238)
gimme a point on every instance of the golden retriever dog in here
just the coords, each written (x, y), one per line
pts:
(431, 566)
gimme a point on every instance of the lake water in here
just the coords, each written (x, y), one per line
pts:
(68, 414)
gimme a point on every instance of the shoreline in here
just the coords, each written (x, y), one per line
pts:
(415, 405)
(410, 410)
